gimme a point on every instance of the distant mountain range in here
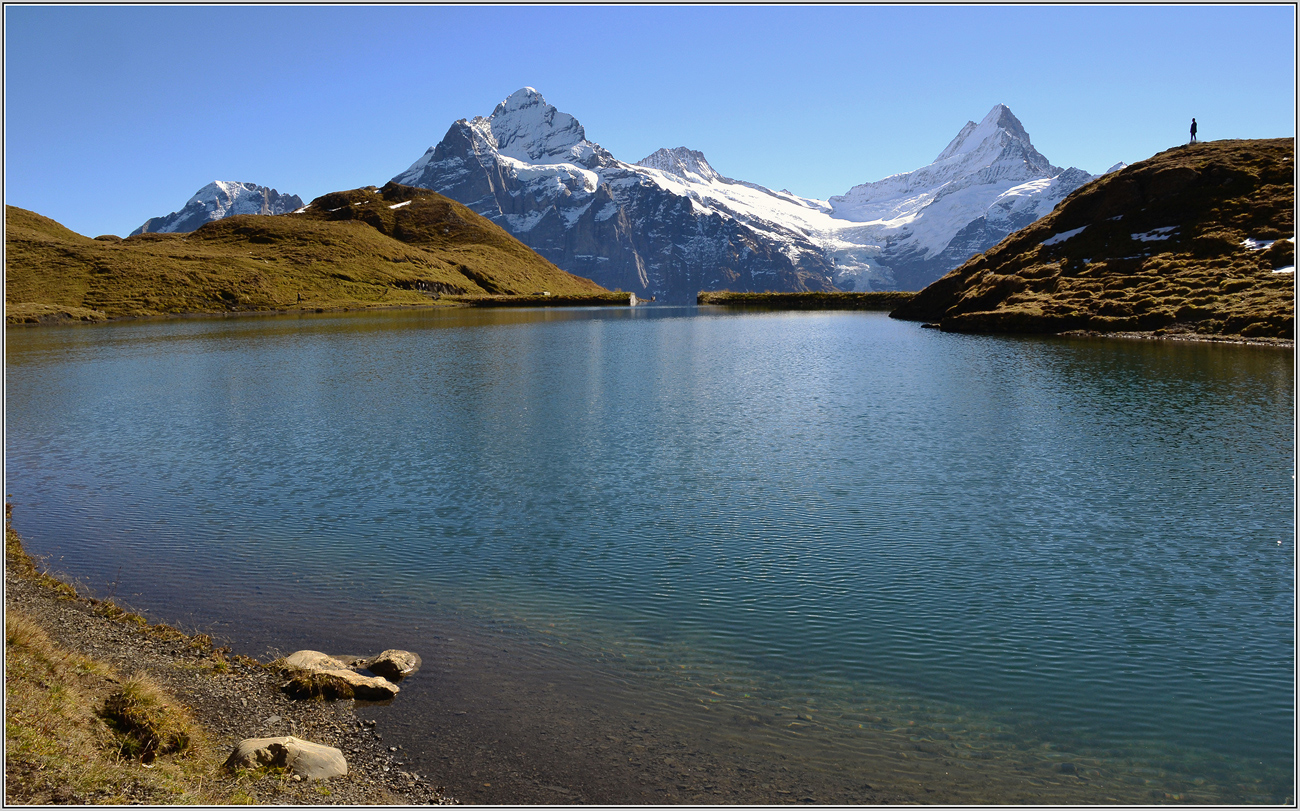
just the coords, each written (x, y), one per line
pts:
(218, 200)
(670, 225)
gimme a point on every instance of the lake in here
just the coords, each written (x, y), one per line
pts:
(680, 554)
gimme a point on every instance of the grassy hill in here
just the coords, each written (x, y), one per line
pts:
(1170, 245)
(367, 247)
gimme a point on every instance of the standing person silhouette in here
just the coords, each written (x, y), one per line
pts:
(1193, 131)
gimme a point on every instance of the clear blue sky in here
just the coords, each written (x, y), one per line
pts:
(117, 114)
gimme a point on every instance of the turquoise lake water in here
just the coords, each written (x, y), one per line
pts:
(880, 558)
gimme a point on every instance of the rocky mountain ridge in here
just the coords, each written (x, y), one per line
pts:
(531, 169)
(671, 225)
(218, 200)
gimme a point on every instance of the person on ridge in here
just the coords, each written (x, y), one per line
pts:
(1193, 131)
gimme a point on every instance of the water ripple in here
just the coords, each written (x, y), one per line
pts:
(1077, 540)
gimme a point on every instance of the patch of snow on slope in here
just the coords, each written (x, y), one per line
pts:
(531, 172)
(1063, 236)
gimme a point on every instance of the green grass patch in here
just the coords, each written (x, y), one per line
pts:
(60, 749)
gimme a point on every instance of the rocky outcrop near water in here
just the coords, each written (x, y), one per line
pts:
(235, 704)
(312, 674)
(1197, 240)
(218, 200)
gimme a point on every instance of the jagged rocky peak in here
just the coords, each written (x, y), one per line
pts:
(688, 164)
(225, 195)
(526, 128)
(996, 150)
(218, 200)
(998, 139)
(1000, 124)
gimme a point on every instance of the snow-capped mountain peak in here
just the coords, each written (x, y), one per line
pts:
(995, 151)
(687, 164)
(974, 136)
(222, 194)
(526, 128)
(220, 199)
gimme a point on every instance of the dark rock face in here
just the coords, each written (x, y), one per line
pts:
(218, 200)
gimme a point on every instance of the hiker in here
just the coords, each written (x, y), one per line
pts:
(1193, 131)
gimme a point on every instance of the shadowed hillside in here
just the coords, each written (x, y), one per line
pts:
(1187, 241)
(346, 250)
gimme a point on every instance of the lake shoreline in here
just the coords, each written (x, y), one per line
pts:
(770, 302)
(1184, 337)
(232, 697)
(63, 318)
(229, 697)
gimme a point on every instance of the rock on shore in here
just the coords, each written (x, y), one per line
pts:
(310, 761)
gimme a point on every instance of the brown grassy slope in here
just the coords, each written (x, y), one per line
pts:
(1201, 279)
(252, 263)
(476, 247)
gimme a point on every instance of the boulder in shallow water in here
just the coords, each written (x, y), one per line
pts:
(336, 684)
(367, 688)
(311, 761)
(394, 664)
(313, 674)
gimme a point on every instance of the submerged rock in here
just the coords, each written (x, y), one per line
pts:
(394, 664)
(311, 761)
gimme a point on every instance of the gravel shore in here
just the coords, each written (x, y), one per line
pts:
(241, 699)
